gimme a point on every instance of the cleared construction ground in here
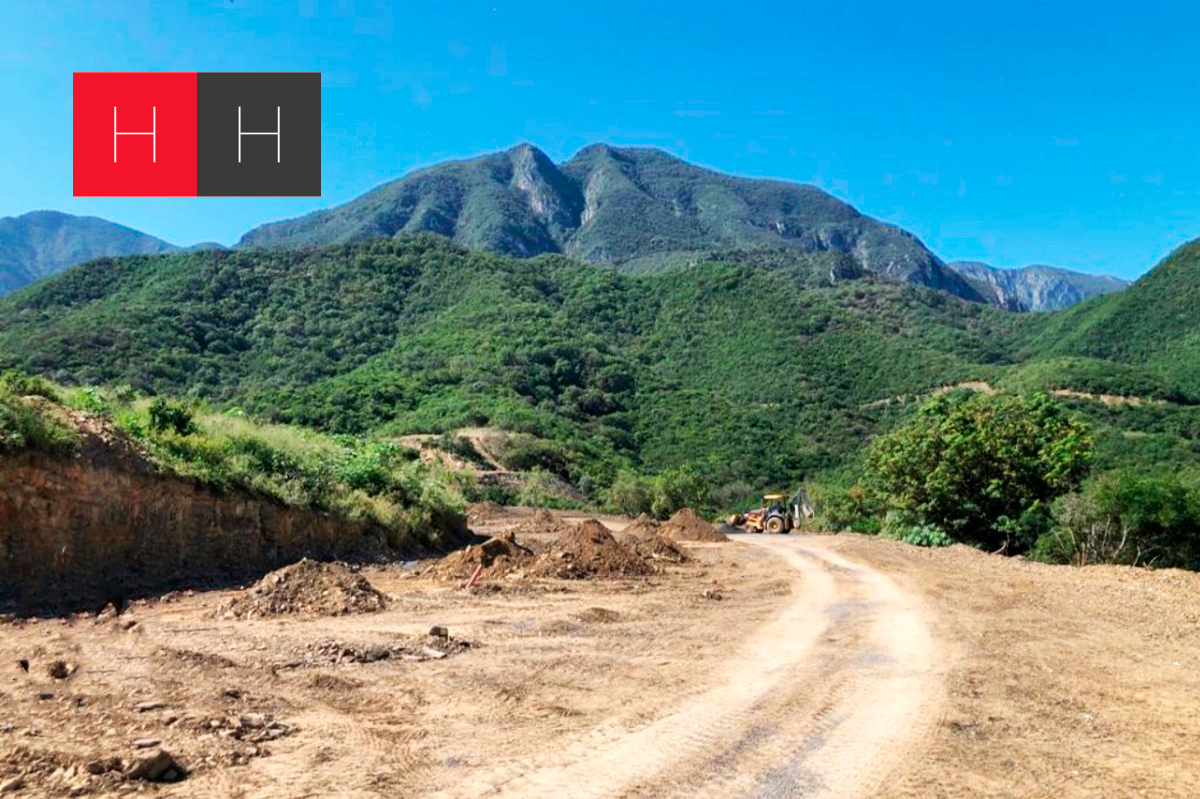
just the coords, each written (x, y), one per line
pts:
(815, 666)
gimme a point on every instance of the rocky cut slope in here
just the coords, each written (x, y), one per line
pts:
(637, 209)
(1035, 288)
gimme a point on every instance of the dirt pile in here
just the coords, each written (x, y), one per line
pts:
(658, 550)
(543, 523)
(498, 556)
(642, 528)
(306, 587)
(685, 525)
(589, 550)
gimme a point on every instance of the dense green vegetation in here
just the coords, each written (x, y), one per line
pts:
(705, 385)
(740, 371)
(982, 468)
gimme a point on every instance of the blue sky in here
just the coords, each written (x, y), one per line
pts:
(1010, 133)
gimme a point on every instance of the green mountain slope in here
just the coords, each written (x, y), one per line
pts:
(741, 369)
(754, 373)
(1036, 288)
(638, 209)
(42, 243)
(1154, 324)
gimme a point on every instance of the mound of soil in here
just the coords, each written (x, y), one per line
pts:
(642, 528)
(685, 525)
(589, 550)
(306, 587)
(658, 549)
(542, 523)
(498, 556)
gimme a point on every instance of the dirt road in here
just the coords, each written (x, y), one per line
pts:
(820, 701)
(829, 666)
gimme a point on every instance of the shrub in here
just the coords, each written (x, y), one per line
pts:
(20, 384)
(369, 468)
(23, 425)
(976, 466)
(677, 488)
(901, 526)
(631, 494)
(1131, 517)
(850, 508)
(168, 415)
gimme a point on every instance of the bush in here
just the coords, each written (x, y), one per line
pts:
(660, 495)
(851, 508)
(168, 415)
(631, 494)
(981, 467)
(20, 384)
(901, 526)
(369, 468)
(25, 426)
(1129, 517)
(677, 488)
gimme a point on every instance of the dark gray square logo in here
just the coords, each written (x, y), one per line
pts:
(258, 134)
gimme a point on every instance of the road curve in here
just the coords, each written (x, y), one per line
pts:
(827, 699)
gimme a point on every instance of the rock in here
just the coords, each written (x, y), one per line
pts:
(155, 767)
(153, 704)
(712, 593)
(430, 652)
(146, 743)
(438, 631)
(253, 721)
(105, 765)
(12, 785)
(24, 664)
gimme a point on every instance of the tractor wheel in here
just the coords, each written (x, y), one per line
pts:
(775, 525)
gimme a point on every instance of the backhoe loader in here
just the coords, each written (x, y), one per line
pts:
(775, 517)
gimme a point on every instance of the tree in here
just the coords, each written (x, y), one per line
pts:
(983, 468)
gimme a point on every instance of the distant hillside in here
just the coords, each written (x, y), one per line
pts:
(421, 335)
(42, 243)
(752, 372)
(637, 209)
(1035, 288)
(1154, 324)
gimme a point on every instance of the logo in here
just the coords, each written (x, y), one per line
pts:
(189, 134)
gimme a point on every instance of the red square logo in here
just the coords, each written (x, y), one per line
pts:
(135, 134)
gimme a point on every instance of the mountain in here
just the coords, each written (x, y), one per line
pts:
(1035, 288)
(1154, 324)
(633, 208)
(41, 243)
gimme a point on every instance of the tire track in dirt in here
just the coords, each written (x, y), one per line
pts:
(612, 759)
(825, 700)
